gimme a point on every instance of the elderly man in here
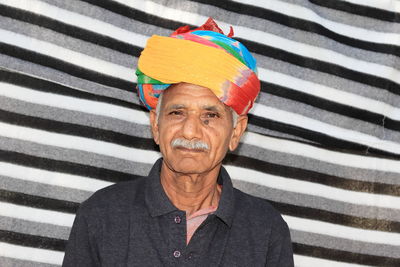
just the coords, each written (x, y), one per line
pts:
(199, 86)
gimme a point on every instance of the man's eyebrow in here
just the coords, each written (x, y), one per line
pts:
(176, 106)
(212, 108)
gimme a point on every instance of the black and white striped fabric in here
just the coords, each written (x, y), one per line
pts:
(323, 144)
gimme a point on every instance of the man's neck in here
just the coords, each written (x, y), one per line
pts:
(191, 192)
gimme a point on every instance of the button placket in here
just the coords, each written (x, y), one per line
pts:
(178, 237)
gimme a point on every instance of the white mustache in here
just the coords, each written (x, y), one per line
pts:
(195, 144)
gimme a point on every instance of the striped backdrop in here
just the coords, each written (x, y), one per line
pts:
(323, 143)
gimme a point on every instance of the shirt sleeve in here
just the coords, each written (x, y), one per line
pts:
(280, 252)
(81, 248)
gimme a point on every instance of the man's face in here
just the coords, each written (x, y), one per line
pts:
(193, 113)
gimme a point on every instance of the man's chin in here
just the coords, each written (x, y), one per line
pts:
(187, 165)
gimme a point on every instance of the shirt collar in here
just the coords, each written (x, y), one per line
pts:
(156, 198)
(158, 202)
(226, 203)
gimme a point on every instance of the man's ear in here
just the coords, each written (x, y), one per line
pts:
(238, 131)
(154, 126)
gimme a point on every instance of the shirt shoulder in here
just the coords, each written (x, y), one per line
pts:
(257, 209)
(116, 197)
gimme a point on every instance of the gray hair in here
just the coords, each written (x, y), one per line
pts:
(235, 116)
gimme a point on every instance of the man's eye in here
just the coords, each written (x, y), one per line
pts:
(175, 112)
(212, 115)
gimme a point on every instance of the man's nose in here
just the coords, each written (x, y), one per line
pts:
(191, 127)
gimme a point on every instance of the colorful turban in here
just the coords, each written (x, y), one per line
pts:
(205, 57)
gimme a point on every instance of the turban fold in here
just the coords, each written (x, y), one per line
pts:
(205, 57)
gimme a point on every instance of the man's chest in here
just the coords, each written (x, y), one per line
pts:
(139, 240)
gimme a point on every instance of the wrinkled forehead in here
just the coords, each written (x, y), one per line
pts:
(185, 95)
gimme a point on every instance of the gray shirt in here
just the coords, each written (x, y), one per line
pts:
(135, 224)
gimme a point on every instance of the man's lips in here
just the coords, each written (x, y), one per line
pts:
(190, 150)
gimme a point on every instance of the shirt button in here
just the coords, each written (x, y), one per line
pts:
(177, 219)
(177, 254)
